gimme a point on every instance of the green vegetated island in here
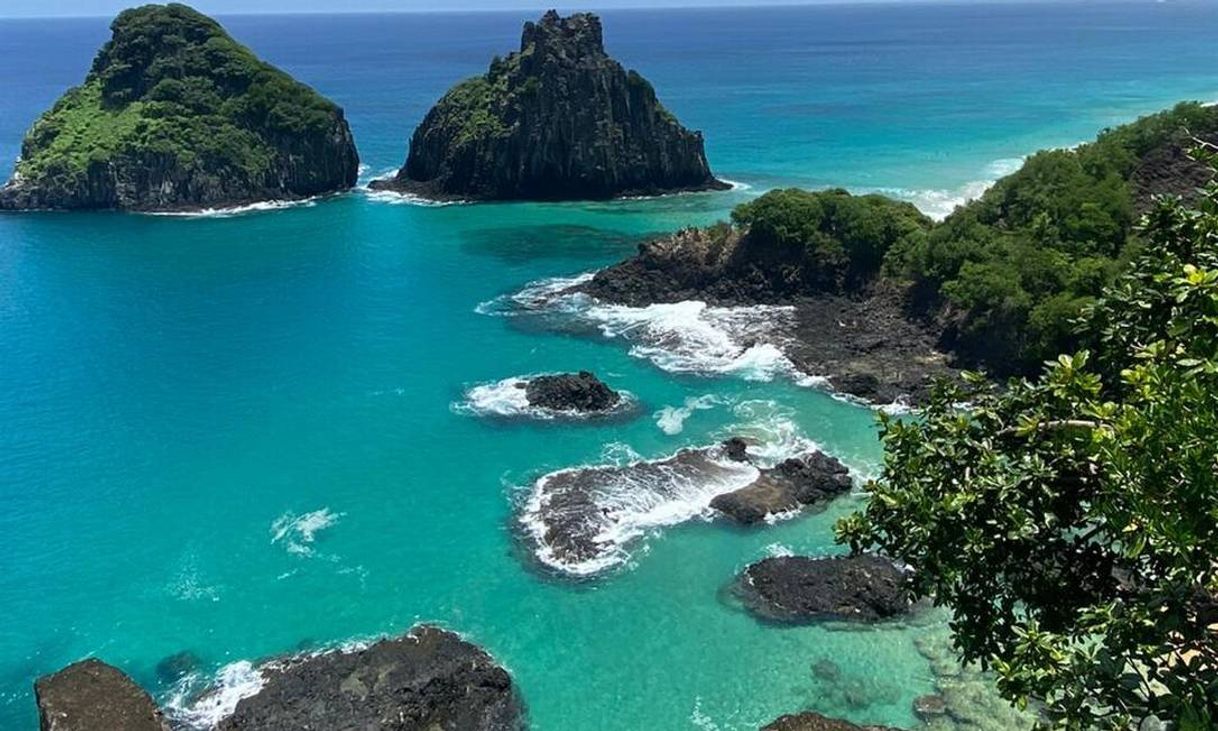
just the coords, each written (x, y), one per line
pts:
(1068, 518)
(176, 115)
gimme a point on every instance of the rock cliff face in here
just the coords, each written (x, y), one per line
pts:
(176, 115)
(93, 696)
(557, 120)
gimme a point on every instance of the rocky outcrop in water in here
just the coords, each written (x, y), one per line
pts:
(801, 589)
(579, 392)
(811, 721)
(93, 696)
(429, 680)
(176, 115)
(794, 483)
(557, 120)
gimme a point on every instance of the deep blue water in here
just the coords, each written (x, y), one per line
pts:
(241, 436)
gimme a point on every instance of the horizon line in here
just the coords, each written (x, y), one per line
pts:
(694, 5)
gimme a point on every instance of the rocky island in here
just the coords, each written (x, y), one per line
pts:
(557, 120)
(176, 115)
(797, 589)
(581, 393)
(429, 678)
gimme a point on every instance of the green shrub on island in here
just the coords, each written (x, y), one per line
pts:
(174, 114)
(841, 239)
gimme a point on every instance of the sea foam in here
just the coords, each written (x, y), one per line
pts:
(297, 532)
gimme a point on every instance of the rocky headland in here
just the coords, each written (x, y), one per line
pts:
(175, 115)
(581, 393)
(848, 325)
(798, 589)
(92, 696)
(557, 120)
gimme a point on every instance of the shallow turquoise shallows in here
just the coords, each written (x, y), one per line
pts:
(242, 436)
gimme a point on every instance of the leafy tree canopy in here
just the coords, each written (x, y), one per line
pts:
(1070, 522)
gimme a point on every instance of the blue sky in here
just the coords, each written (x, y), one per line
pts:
(44, 8)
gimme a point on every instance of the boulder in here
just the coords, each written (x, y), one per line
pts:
(580, 392)
(92, 696)
(805, 480)
(800, 589)
(429, 680)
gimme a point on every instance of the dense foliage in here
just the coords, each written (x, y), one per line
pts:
(171, 83)
(1071, 521)
(839, 239)
(1010, 270)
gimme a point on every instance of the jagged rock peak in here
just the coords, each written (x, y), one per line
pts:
(557, 120)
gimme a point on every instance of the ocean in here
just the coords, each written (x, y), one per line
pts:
(240, 436)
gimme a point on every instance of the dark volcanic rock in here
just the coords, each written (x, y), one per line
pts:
(429, 680)
(865, 343)
(803, 589)
(557, 120)
(794, 483)
(810, 721)
(582, 392)
(93, 696)
(176, 115)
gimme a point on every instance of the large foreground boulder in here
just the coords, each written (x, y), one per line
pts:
(811, 721)
(427, 680)
(808, 479)
(557, 120)
(579, 392)
(797, 589)
(93, 696)
(176, 115)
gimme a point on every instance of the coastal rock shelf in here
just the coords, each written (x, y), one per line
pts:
(92, 696)
(175, 115)
(798, 589)
(811, 721)
(808, 479)
(557, 120)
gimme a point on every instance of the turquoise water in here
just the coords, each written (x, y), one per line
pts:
(237, 436)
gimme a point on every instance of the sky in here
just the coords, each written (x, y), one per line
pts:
(60, 8)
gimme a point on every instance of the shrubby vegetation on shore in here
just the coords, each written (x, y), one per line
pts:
(1071, 521)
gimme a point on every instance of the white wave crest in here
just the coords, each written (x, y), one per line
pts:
(297, 532)
(691, 337)
(232, 683)
(259, 207)
(671, 419)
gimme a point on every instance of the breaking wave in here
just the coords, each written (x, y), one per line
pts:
(297, 532)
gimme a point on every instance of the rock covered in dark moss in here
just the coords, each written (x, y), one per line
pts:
(427, 679)
(580, 392)
(93, 696)
(557, 120)
(803, 589)
(176, 115)
(811, 721)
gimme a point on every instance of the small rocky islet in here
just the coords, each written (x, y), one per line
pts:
(578, 393)
(557, 120)
(802, 589)
(175, 115)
